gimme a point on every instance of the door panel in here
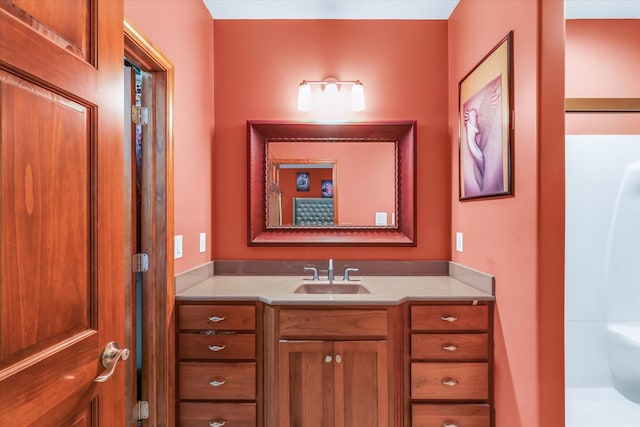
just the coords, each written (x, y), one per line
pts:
(63, 21)
(361, 379)
(306, 383)
(61, 211)
(45, 206)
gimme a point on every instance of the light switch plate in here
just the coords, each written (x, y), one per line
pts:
(203, 242)
(458, 241)
(381, 218)
(177, 246)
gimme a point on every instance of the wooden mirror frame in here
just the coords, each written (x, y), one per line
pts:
(259, 133)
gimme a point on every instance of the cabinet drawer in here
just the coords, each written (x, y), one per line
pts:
(449, 317)
(426, 415)
(457, 381)
(217, 347)
(234, 380)
(217, 317)
(205, 414)
(450, 346)
(332, 323)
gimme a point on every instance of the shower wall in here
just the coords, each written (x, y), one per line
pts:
(594, 168)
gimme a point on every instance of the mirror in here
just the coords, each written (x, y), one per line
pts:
(331, 184)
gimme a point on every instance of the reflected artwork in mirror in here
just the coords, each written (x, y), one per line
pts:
(331, 184)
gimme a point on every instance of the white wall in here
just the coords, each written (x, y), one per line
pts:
(594, 168)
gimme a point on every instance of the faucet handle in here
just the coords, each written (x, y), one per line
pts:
(345, 277)
(314, 270)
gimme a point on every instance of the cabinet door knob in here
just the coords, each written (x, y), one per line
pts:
(217, 423)
(328, 359)
(217, 347)
(449, 319)
(450, 382)
(216, 383)
(449, 347)
(338, 358)
(216, 319)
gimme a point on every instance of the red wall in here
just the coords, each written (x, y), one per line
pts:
(259, 65)
(520, 239)
(182, 30)
(603, 59)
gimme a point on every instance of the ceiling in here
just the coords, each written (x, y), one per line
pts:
(393, 9)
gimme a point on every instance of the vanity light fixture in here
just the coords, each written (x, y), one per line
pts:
(331, 87)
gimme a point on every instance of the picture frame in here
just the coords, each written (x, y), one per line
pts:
(485, 127)
(326, 188)
(303, 181)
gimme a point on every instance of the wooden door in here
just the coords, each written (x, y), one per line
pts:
(306, 383)
(61, 211)
(361, 383)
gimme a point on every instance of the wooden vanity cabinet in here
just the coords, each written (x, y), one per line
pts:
(332, 367)
(451, 365)
(218, 373)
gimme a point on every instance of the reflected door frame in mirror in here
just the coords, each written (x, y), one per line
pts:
(260, 133)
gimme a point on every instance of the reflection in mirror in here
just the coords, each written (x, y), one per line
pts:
(330, 184)
(354, 181)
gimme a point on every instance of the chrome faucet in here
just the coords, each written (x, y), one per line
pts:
(346, 277)
(314, 272)
(330, 271)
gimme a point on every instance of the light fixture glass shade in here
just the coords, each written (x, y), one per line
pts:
(331, 89)
(304, 97)
(357, 97)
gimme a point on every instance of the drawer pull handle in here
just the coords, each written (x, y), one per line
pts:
(450, 382)
(217, 347)
(450, 425)
(217, 423)
(216, 383)
(449, 347)
(449, 319)
(216, 319)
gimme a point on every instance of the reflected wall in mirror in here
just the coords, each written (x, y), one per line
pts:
(359, 176)
(331, 184)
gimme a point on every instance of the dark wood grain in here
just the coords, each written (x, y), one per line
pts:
(333, 323)
(61, 212)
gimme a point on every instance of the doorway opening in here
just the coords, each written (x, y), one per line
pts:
(149, 230)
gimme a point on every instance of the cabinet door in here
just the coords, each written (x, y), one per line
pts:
(306, 383)
(361, 396)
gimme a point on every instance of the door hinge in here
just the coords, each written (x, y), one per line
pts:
(139, 115)
(141, 410)
(140, 263)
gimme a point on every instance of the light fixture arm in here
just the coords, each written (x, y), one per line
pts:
(331, 81)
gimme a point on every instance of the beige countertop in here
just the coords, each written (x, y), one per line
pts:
(279, 290)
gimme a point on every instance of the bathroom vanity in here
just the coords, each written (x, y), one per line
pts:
(414, 351)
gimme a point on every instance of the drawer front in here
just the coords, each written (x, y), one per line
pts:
(217, 317)
(450, 346)
(217, 347)
(205, 414)
(449, 317)
(427, 415)
(455, 381)
(332, 323)
(217, 381)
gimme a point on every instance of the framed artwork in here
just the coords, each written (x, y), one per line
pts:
(326, 188)
(485, 136)
(303, 181)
